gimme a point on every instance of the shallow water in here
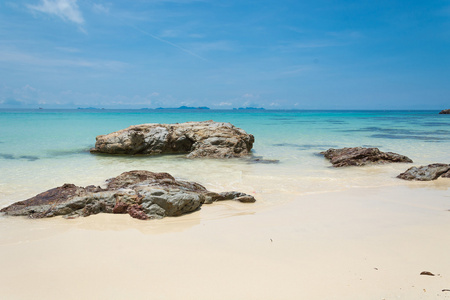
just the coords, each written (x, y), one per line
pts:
(41, 149)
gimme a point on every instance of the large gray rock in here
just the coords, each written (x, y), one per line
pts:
(141, 194)
(359, 156)
(445, 112)
(426, 173)
(197, 139)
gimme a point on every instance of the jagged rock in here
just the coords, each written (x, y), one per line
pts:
(445, 112)
(142, 194)
(359, 156)
(197, 139)
(426, 173)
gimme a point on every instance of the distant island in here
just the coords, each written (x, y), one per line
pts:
(181, 107)
(249, 108)
(189, 107)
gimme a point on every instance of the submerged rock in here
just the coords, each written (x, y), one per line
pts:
(197, 139)
(426, 173)
(262, 160)
(427, 273)
(445, 112)
(359, 156)
(141, 194)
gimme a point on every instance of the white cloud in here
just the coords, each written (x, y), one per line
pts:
(12, 4)
(20, 96)
(65, 9)
(68, 49)
(346, 35)
(16, 56)
(100, 8)
(196, 35)
(170, 43)
(314, 44)
(225, 104)
(203, 47)
(248, 95)
(169, 33)
(294, 70)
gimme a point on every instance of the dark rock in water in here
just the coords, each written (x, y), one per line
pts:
(141, 194)
(359, 156)
(197, 139)
(262, 160)
(445, 112)
(426, 173)
(426, 273)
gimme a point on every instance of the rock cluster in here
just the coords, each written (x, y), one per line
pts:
(426, 173)
(141, 194)
(197, 139)
(359, 156)
(445, 112)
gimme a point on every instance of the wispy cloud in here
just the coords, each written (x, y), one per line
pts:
(249, 96)
(204, 47)
(312, 44)
(294, 70)
(178, 1)
(346, 35)
(14, 56)
(170, 43)
(308, 45)
(176, 33)
(68, 49)
(20, 96)
(445, 11)
(100, 8)
(170, 33)
(65, 9)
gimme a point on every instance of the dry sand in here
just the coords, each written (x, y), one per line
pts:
(356, 244)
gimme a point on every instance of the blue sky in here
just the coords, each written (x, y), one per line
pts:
(310, 54)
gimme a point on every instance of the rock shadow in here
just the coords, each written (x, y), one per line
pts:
(21, 157)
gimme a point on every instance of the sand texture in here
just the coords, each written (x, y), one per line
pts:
(368, 243)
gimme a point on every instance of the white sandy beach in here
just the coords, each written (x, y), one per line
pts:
(362, 243)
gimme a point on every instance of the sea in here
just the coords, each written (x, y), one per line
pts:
(43, 148)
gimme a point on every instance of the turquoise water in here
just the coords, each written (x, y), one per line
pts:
(41, 149)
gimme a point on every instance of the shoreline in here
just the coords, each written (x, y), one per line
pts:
(362, 243)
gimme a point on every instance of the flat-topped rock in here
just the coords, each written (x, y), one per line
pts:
(445, 112)
(359, 156)
(426, 173)
(196, 139)
(142, 194)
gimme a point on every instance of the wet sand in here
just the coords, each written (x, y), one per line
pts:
(362, 243)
